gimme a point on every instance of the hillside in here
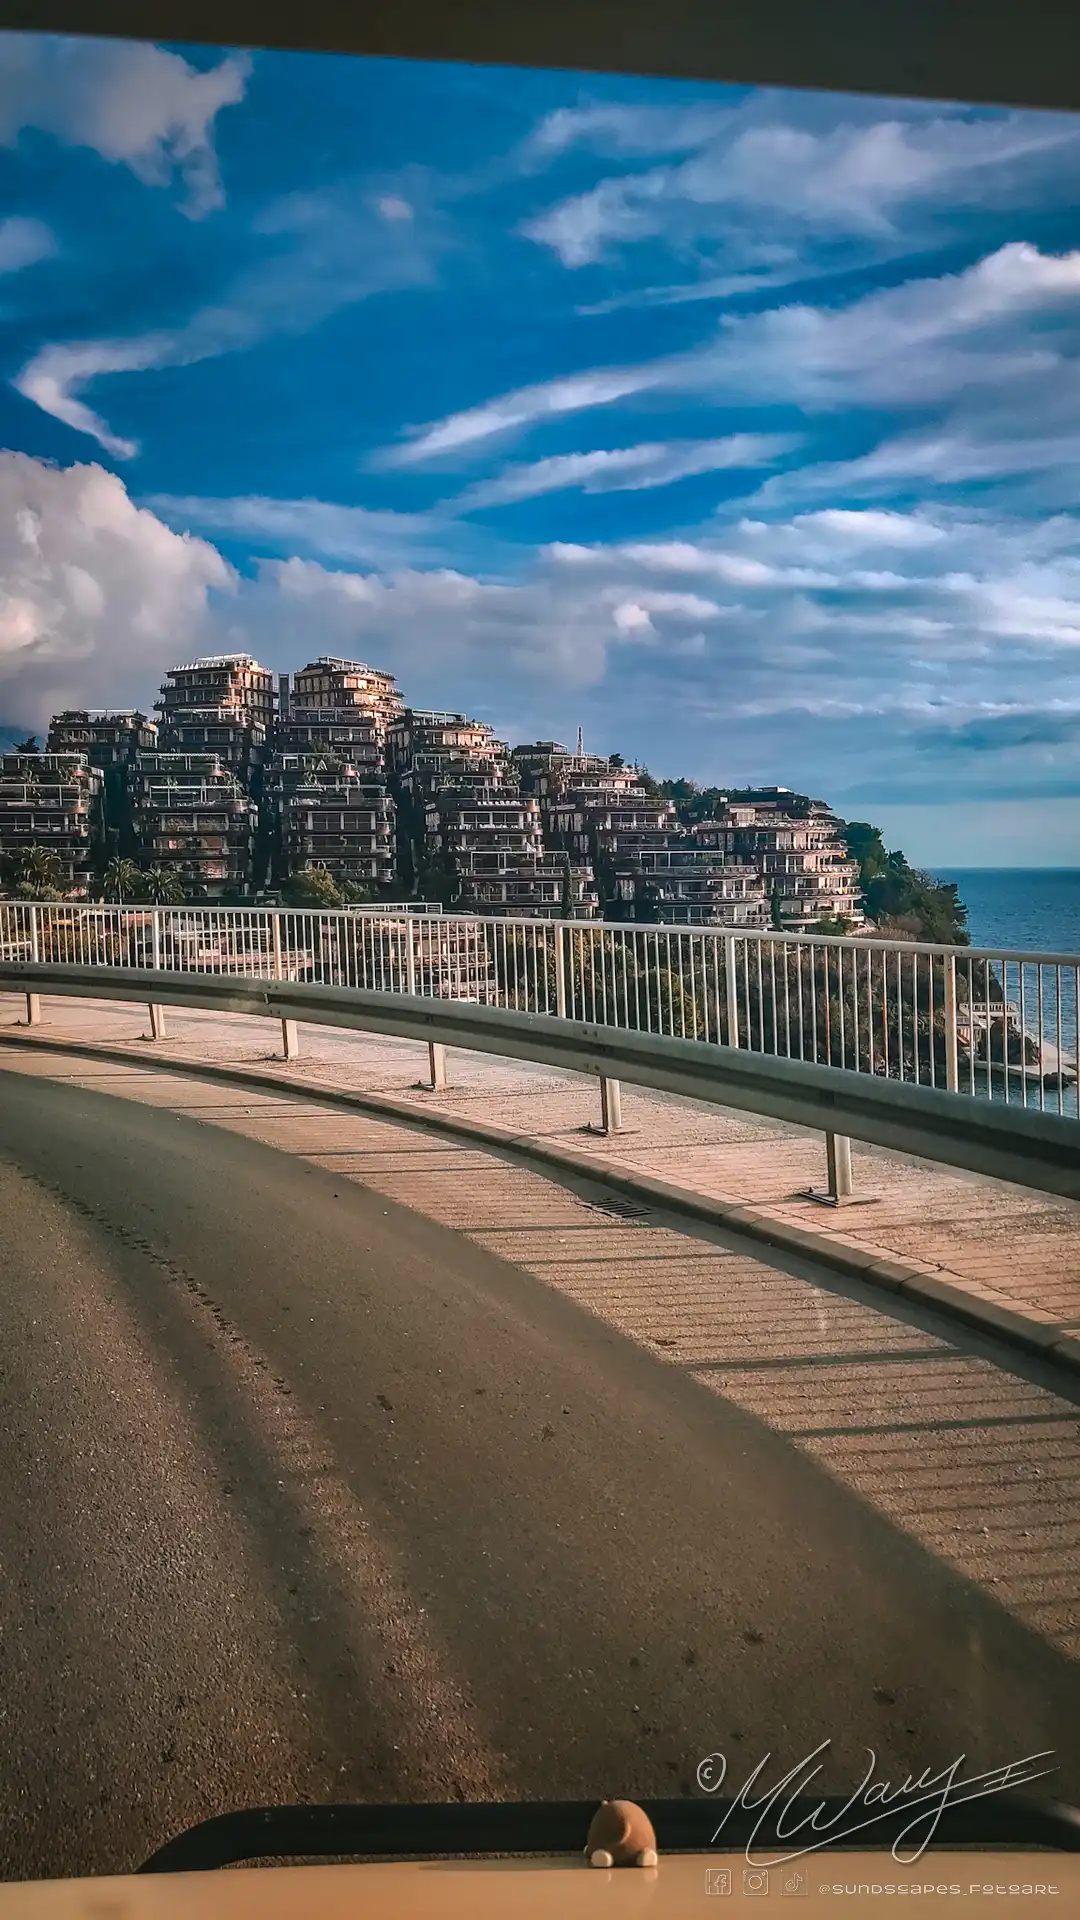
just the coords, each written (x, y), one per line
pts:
(895, 895)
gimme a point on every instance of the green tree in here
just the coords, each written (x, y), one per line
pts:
(29, 745)
(162, 887)
(122, 881)
(899, 895)
(311, 887)
(566, 903)
(38, 871)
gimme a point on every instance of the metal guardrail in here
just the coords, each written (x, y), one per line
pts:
(994, 1025)
(1035, 1150)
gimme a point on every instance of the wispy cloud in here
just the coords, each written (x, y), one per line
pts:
(136, 105)
(320, 252)
(628, 469)
(55, 377)
(548, 400)
(23, 243)
(907, 346)
(758, 159)
(365, 536)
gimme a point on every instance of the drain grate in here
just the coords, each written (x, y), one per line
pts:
(618, 1208)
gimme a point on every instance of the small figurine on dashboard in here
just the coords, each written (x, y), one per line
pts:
(621, 1835)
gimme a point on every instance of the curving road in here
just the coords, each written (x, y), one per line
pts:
(303, 1496)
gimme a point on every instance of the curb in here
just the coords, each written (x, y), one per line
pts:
(972, 1305)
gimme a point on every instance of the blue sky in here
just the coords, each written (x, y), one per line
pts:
(739, 427)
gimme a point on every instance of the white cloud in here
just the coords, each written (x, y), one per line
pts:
(367, 536)
(23, 243)
(327, 251)
(546, 401)
(393, 207)
(56, 375)
(626, 469)
(848, 178)
(136, 105)
(952, 638)
(97, 596)
(908, 346)
(613, 127)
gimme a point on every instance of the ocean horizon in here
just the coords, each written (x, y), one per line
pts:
(1032, 909)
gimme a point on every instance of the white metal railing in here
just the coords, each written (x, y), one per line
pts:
(997, 1025)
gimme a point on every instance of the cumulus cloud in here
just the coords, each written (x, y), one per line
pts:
(959, 627)
(136, 105)
(97, 596)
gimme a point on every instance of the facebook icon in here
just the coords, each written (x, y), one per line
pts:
(718, 1880)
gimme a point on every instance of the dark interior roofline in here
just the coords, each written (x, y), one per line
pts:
(1010, 52)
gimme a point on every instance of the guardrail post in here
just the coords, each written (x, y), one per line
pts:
(952, 1048)
(560, 971)
(290, 1038)
(158, 1029)
(610, 1106)
(732, 990)
(33, 1000)
(838, 1159)
(437, 1065)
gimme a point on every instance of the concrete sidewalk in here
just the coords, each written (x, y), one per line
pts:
(1010, 1251)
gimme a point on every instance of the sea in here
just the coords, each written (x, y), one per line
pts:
(1030, 910)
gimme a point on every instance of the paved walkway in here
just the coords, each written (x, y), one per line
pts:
(1021, 1247)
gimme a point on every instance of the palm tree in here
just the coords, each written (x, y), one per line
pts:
(122, 880)
(163, 887)
(39, 868)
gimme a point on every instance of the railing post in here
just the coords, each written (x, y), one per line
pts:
(952, 1049)
(157, 1013)
(610, 1106)
(33, 1000)
(290, 1038)
(732, 990)
(838, 1160)
(410, 957)
(560, 971)
(437, 1065)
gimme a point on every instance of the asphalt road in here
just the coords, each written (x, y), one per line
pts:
(304, 1497)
